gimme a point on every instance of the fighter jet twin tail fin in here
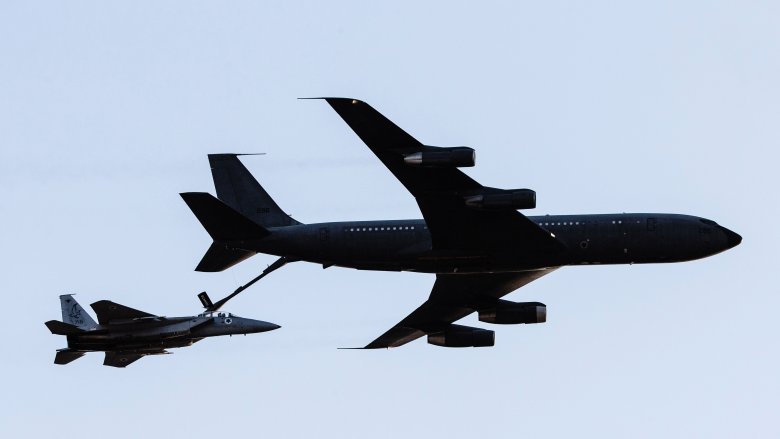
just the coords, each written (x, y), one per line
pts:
(74, 318)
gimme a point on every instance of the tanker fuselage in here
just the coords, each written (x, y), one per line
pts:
(406, 245)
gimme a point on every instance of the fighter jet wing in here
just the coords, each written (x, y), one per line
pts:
(440, 191)
(453, 297)
(108, 311)
(123, 359)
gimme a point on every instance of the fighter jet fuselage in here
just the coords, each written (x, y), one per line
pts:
(164, 332)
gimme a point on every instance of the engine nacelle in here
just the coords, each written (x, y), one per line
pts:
(457, 336)
(512, 313)
(457, 157)
(511, 199)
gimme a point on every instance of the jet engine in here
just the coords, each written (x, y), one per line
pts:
(510, 313)
(457, 336)
(511, 199)
(457, 157)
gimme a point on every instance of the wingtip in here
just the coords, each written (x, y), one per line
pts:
(234, 154)
(336, 99)
(192, 195)
(186, 196)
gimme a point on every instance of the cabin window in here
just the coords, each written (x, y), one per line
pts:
(652, 224)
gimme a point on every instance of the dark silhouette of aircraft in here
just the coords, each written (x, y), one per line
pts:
(126, 334)
(471, 236)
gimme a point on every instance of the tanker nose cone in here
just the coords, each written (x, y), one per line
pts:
(732, 238)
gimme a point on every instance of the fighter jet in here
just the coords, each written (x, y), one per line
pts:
(126, 334)
(473, 237)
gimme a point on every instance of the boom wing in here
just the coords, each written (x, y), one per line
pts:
(453, 297)
(440, 191)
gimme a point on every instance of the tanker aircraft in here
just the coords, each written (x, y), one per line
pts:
(471, 236)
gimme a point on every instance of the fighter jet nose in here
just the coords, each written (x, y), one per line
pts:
(732, 238)
(266, 326)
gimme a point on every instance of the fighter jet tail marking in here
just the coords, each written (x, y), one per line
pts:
(74, 314)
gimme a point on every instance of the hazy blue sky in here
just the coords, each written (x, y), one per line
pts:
(107, 112)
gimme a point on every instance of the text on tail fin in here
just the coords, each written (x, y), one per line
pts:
(74, 314)
(237, 188)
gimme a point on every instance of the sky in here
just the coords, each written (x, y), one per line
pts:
(107, 113)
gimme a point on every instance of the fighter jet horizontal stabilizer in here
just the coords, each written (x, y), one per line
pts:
(65, 356)
(61, 328)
